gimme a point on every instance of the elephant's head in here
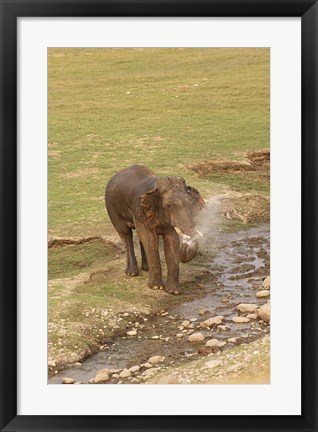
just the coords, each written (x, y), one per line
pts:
(173, 203)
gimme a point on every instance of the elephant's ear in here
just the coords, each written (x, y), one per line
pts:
(150, 202)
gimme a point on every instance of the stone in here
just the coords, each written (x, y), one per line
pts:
(251, 316)
(213, 363)
(186, 323)
(104, 371)
(155, 337)
(68, 380)
(61, 333)
(196, 337)
(265, 312)
(246, 307)
(168, 379)
(51, 363)
(148, 365)
(125, 373)
(215, 343)
(132, 333)
(267, 283)
(232, 339)
(134, 368)
(135, 381)
(156, 359)
(209, 322)
(223, 328)
(179, 335)
(203, 311)
(150, 372)
(264, 293)
(91, 381)
(126, 314)
(101, 378)
(239, 320)
(115, 375)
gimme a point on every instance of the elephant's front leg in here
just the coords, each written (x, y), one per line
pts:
(150, 244)
(172, 252)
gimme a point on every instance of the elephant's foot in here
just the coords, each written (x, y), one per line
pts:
(132, 271)
(145, 267)
(173, 289)
(156, 284)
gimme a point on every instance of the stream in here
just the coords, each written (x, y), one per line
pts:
(240, 265)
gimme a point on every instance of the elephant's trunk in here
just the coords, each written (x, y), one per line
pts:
(188, 250)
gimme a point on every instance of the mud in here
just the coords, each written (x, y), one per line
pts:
(237, 271)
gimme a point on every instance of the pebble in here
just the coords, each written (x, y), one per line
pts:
(115, 375)
(232, 339)
(264, 293)
(251, 316)
(148, 365)
(209, 322)
(215, 343)
(196, 337)
(132, 333)
(265, 312)
(186, 323)
(267, 283)
(156, 359)
(213, 363)
(203, 311)
(179, 335)
(125, 373)
(246, 307)
(104, 371)
(134, 368)
(223, 328)
(126, 314)
(150, 372)
(68, 380)
(101, 378)
(51, 363)
(155, 337)
(240, 320)
(193, 319)
(62, 333)
(135, 380)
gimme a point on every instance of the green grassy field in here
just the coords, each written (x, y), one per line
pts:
(110, 108)
(164, 108)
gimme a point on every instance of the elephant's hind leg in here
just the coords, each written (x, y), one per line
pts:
(127, 239)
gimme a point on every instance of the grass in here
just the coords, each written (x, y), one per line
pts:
(110, 108)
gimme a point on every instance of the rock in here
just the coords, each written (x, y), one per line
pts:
(203, 311)
(215, 343)
(148, 365)
(115, 375)
(104, 371)
(265, 312)
(150, 372)
(132, 333)
(232, 339)
(239, 320)
(179, 335)
(134, 368)
(169, 379)
(51, 363)
(135, 381)
(186, 323)
(196, 337)
(267, 283)
(264, 293)
(61, 333)
(126, 314)
(246, 307)
(209, 322)
(91, 381)
(125, 373)
(252, 316)
(101, 378)
(156, 359)
(212, 364)
(68, 380)
(223, 328)
(155, 337)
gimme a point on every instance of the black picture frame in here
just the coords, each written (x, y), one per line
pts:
(10, 11)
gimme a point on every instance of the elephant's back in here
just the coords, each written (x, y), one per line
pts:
(125, 184)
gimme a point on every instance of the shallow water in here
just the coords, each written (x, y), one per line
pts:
(240, 265)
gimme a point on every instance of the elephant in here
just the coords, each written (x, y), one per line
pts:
(154, 206)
